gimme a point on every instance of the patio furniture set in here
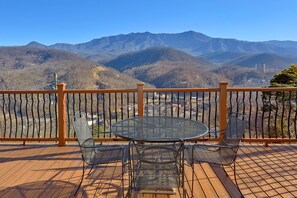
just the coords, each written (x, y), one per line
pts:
(159, 149)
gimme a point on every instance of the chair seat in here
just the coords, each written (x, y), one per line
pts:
(110, 153)
(201, 154)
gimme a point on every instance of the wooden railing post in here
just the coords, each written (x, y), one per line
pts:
(223, 108)
(140, 97)
(62, 113)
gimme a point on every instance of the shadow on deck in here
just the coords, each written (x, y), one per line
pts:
(52, 171)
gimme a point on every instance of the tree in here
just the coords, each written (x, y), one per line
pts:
(279, 106)
(285, 78)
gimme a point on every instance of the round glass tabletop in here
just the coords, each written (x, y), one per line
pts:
(159, 129)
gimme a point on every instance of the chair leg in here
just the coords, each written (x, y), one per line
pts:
(193, 172)
(91, 169)
(234, 173)
(123, 190)
(82, 178)
(123, 173)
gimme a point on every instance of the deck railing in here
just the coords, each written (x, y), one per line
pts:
(46, 115)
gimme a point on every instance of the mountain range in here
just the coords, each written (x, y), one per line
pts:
(25, 68)
(188, 59)
(193, 43)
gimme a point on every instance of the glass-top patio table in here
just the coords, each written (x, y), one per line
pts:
(157, 150)
(159, 129)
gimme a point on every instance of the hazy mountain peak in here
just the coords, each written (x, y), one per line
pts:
(197, 35)
(36, 44)
(191, 42)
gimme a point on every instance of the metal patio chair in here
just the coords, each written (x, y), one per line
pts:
(223, 153)
(93, 154)
(156, 167)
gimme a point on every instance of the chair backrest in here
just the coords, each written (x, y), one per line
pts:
(235, 129)
(81, 128)
(232, 137)
(84, 137)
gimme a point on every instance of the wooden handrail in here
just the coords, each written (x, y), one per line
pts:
(222, 92)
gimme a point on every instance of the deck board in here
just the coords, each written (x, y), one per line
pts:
(51, 171)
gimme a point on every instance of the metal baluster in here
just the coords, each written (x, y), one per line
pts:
(276, 112)
(68, 114)
(116, 106)
(109, 108)
(73, 108)
(9, 115)
(104, 115)
(283, 113)
(4, 114)
(122, 107)
(86, 104)
(21, 114)
(134, 104)
(159, 107)
(289, 116)
(184, 102)
(269, 115)
(44, 115)
(216, 112)
(98, 114)
(50, 115)
(92, 113)
(171, 104)
(38, 115)
(190, 105)
(262, 118)
(250, 114)
(32, 112)
(230, 102)
(27, 115)
(79, 103)
(178, 102)
(165, 101)
(203, 106)
(197, 106)
(237, 103)
(153, 104)
(128, 105)
(56, 114)
(209, 108)
(243, 103)
(15, 115)
(256, 117)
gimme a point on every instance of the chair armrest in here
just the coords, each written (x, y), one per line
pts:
(212, 146)
(100, 147)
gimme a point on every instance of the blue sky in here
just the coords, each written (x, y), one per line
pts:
(77, 21)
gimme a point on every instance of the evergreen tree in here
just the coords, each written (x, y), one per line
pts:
(286, 78)
(280, 105)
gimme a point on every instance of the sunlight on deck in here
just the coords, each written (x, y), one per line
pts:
(52, 171)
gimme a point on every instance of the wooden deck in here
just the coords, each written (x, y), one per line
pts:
(52, 171)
